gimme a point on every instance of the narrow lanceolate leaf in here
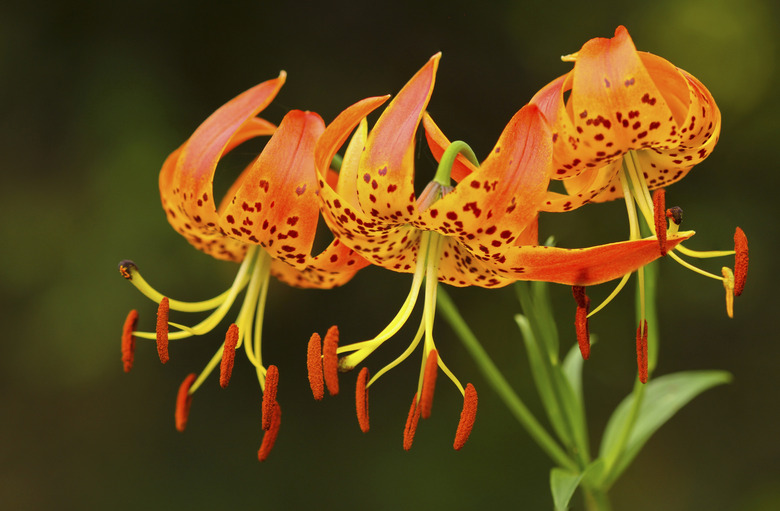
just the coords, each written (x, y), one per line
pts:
(563, 484)
(664, 396)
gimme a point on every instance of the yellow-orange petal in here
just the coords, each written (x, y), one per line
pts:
(314, 366)
(467, 417)
(228, 356)
(269, 437)
(641, 351)
(184, 401)
(128, 340)
(411, 424)
(659, 217)
(269, 396)
(361, 399)
(741, 259)
(162, 330)
(429, 384)
(330, 360)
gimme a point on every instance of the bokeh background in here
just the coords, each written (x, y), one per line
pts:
(95, 94)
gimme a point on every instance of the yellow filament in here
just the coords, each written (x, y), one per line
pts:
(694, 268)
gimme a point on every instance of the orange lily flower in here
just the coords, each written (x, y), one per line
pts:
(267, 222)
(633, 122)
(481, 232)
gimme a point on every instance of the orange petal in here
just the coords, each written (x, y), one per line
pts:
(187, 175)
(387, 166)
(276, 205)
(583, 266)
(491, 207)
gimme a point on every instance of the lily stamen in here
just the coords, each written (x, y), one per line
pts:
(184, 402)
(581, 320)
(162, 330)
(330, 362)
(361, 399)
(467, 417)
(128, 340)
(269, 396)
(228, 356)
(269, 437)
(429, 384)
(314, 366)
(410, 428)
(641, 350)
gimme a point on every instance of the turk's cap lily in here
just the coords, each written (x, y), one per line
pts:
(624, 100)
(487, 222)
(273, 203)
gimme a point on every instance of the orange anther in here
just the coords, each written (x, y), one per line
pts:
(581, 320)
(411, 424)
(361, 399)
(269, 437)
(741, 260)
(467, 417)
(269, 396)
(184, 401)
(659, 215)
(128, 340)
(162, 330)
(330, 360)
(228, 355)
(126, 268)
(429, 383)
(314, 365)
(641, 351)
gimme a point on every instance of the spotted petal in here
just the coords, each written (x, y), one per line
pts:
(187, 175)
(624, 100)
(385, 186)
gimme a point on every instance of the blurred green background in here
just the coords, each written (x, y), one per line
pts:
(96, 94)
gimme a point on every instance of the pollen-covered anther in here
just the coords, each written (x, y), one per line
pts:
(659, 217)
(269, 437)
(728, 285)
(429, 384)
(314, 366)
(162, 330)
(641, 350)
(741, 259)
(184, 401)
(126, 269)
(411, 424)
(675, 214)
(269, 396)
(128, 340)
(330, 361)
(467, 417)
(581, 320)
(228, 356)
(361, 399)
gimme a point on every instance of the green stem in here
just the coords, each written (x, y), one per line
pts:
(596, 500)
(500, 385)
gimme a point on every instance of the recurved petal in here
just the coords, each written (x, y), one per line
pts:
(333, 267)
(492, 206)
(583, 266)
(385, 184)
(276, 205)
(187, 175)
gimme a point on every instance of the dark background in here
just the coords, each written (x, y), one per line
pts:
(94, 95)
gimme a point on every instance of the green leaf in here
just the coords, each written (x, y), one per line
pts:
(572, 369)
(563, 484)
(664, 396)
